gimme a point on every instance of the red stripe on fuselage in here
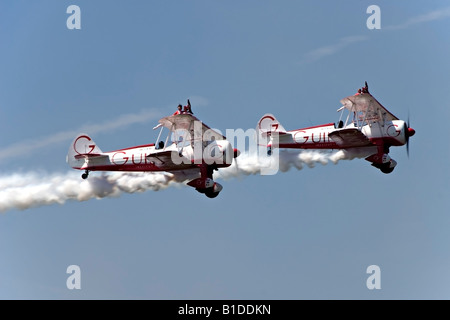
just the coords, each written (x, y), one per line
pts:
(144, 167)
(314, 127)
(317, 145)
(136, 147)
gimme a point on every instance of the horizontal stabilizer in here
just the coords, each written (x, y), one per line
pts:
(90, 155)
(271, 133)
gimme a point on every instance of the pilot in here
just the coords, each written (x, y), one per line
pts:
(358, 93)
(179, 111)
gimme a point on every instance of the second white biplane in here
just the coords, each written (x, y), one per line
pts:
(368, 124)
(195, 151)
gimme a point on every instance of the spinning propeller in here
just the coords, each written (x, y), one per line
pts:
(409, 132)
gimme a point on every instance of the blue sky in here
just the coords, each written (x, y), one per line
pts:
(301, 234)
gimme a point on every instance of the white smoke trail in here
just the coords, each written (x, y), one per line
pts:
(29, 190)
(251, 164)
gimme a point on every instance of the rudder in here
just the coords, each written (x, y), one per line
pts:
(267, 125)
(82, 145)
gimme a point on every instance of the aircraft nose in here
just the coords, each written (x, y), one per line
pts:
(411, 132)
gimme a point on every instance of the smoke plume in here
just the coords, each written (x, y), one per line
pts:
(23, 191)
(29, 190)
(251, 164)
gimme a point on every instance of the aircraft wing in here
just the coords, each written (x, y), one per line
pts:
(348, 138)
(170, 159)
(192, 124)
(369, 106)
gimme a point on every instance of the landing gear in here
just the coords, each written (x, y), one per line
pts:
(382, 160)
(205, 184)
(210, 193)
(85, 175)
(386, 169)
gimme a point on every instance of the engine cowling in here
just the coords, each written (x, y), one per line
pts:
(219, 152)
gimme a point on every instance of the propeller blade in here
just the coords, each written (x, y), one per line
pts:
(407, 137)
(407, 147)
(409, 132)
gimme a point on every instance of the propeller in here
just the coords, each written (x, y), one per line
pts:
(236, 154)
(409, 132)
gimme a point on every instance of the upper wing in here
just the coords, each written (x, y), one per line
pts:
(196, 128)
(365, 103)
(347, 138)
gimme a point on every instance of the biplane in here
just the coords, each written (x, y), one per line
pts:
(194, 150)
(367, 124)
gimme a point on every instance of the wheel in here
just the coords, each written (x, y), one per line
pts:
(85, 175)
(386, 170)
(211, 194)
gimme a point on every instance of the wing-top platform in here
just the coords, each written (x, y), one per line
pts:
(363, 109)
(197, 129)
(366, 105)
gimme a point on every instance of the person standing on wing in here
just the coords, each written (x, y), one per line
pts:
(188, 109)
(179, 111)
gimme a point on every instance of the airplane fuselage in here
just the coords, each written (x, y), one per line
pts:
(148, 158)
(317, 137)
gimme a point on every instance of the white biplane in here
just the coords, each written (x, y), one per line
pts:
(368, 124)
(194, 151)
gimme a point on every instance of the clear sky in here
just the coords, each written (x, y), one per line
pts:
(300, 234)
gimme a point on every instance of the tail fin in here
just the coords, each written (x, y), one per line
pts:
(268, 123)
(267, 126)
(81, 148)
